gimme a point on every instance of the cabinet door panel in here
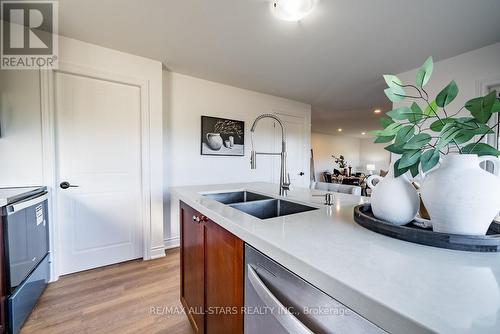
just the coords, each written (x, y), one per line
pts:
(192, 267)
(223, 280)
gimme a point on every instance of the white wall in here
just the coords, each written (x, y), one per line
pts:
(187, 99)
(371, 153)
(472, 71)
(20, 124)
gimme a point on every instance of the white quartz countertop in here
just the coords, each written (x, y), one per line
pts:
(400, 286)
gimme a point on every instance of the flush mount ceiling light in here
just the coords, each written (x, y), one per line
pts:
(292, 10)
(377, 111)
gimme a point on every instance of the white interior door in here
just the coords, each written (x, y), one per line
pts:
(297, 150)
(98, 144)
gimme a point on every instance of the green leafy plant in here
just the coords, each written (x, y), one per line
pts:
(340, 161)
(425, 130)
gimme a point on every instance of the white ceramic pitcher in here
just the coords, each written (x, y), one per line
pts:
(214, 141)
(461, 197)
(394, 200)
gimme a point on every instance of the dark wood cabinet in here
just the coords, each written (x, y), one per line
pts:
(223, 280)
(192, 267)
(211, 274)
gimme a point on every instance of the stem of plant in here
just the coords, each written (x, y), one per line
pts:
(458, 112)
(423, 90)
(484, 135)
(442, 122)
(426, 99)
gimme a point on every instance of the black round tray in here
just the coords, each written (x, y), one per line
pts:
(483, 243)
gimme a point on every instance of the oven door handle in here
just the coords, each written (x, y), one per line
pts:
(282, 314)
(13, 208)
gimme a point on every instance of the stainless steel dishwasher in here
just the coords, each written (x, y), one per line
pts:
(278, 301)
(25, 223)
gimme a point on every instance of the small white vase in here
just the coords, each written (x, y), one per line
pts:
(462, 198)
(394, 200)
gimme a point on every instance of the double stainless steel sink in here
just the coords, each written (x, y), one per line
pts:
(236, 197)
(260, 206)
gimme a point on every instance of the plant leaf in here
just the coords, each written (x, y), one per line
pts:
(417, 114)
(429, 159)
(471, 124)
(475, 106)
(489, 101)
(449, 132)
(409, 158)
(375, 133)
(404, 134)
(394, 97)
(393, 82)
(383, 139)
(481, 107)
(482, 129)
(418, 141)
(385, 121)
(431, 109)
(438, 125)
(400, 114)
(468, 123)
(480, 149)
(396, 149)
(390, 130)
(398, 171)
(464, 136)
(425, 72)
(447, 95)
(414, 169)
(496, 106)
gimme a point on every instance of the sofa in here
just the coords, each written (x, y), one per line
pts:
(338, 188)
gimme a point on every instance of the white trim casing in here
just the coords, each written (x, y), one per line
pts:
(49, 168)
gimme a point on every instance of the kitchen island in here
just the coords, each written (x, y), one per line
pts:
(399, 286)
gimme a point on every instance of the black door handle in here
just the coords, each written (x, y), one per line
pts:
(66, 185)
(301, 173)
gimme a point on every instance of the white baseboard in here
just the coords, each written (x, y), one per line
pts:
(157, 252)
(172, 242)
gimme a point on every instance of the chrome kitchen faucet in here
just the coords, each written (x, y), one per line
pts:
(284, 185)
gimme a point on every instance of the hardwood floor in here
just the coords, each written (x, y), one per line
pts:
(130, 297)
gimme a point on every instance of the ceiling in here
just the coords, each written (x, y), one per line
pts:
(332, 59)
